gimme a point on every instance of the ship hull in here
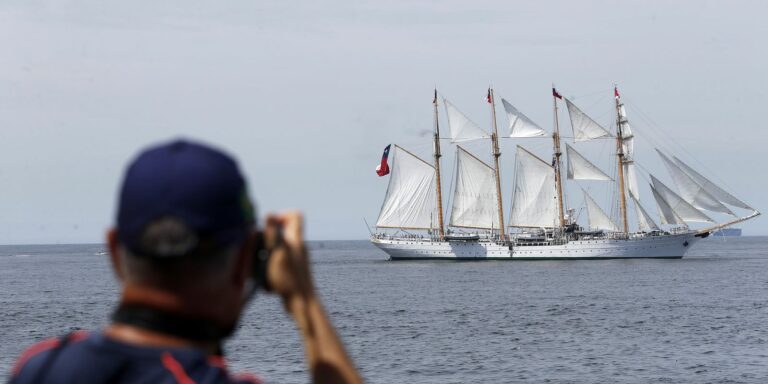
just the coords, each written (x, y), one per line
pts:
(651, 247)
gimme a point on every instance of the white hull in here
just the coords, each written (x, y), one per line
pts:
(658, 247)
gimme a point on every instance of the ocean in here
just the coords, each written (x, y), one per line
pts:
(700, 319)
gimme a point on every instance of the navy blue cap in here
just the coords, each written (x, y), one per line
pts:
(195, 184)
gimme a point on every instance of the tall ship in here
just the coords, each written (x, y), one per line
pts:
(540, 225)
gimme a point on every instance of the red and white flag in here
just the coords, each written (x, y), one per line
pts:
(616, 92)
(489, 98)
(555, 94)
(383, 168)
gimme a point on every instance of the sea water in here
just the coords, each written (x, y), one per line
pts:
(700, 319)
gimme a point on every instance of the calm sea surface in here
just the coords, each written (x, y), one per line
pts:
(700, 319)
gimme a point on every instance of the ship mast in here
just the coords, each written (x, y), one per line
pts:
(437, 173)
(557, 163)
(496, 155)
(620, 156)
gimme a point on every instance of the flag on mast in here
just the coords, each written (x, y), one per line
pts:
(383, 168)
(555, 94)
(489, 98)
(616, 92)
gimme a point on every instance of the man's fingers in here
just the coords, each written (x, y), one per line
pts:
(289, 268)
(285, 227)
(292, 223)
(276, 271)
(271, 231)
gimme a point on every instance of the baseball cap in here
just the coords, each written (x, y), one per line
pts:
(195, 185)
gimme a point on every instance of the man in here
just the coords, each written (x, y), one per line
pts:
(188, 257)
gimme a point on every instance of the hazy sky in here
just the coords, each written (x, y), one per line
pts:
(307, 94)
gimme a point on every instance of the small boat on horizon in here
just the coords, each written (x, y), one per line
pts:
(727, 232)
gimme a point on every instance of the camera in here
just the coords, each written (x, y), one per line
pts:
(262, 251)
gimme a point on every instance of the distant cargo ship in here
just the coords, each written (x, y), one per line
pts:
(728, 232)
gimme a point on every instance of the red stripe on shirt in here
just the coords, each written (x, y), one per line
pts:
(176, 369)
(218, 362)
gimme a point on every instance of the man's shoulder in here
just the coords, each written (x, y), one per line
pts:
(88, 357)
(34, 357)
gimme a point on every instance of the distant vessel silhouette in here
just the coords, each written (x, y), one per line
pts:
(727, 232)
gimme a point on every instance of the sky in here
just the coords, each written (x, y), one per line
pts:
(307, 94)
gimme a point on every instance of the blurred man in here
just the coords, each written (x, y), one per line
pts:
(188, 256)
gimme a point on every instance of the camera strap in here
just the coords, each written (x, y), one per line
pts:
(153, 319)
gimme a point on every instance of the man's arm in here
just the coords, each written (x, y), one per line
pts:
(290, 277)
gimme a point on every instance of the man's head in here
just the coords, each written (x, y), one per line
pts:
(183, 234)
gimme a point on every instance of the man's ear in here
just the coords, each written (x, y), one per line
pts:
(114, 254)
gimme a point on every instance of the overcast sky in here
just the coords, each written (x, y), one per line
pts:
(307, 94)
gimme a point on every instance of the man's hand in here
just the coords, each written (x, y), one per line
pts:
(289, 276)
(288, 269)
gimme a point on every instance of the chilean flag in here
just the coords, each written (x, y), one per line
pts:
(383, 168)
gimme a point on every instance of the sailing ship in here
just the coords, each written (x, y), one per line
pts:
(411, 224)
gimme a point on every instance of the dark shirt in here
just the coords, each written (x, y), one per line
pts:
(91, 358)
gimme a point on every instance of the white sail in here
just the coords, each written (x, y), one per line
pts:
(645, 222)
(534, 200)
(627, 137)
(667, 215)
(584, 128)
(682, 208)
(579, 168)
(410, 201)
(628, 147)
(714, 190)
(631, 178)
(461, 127)
(474, 197)
(597, 217)
(690, 190)
(519, 124)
